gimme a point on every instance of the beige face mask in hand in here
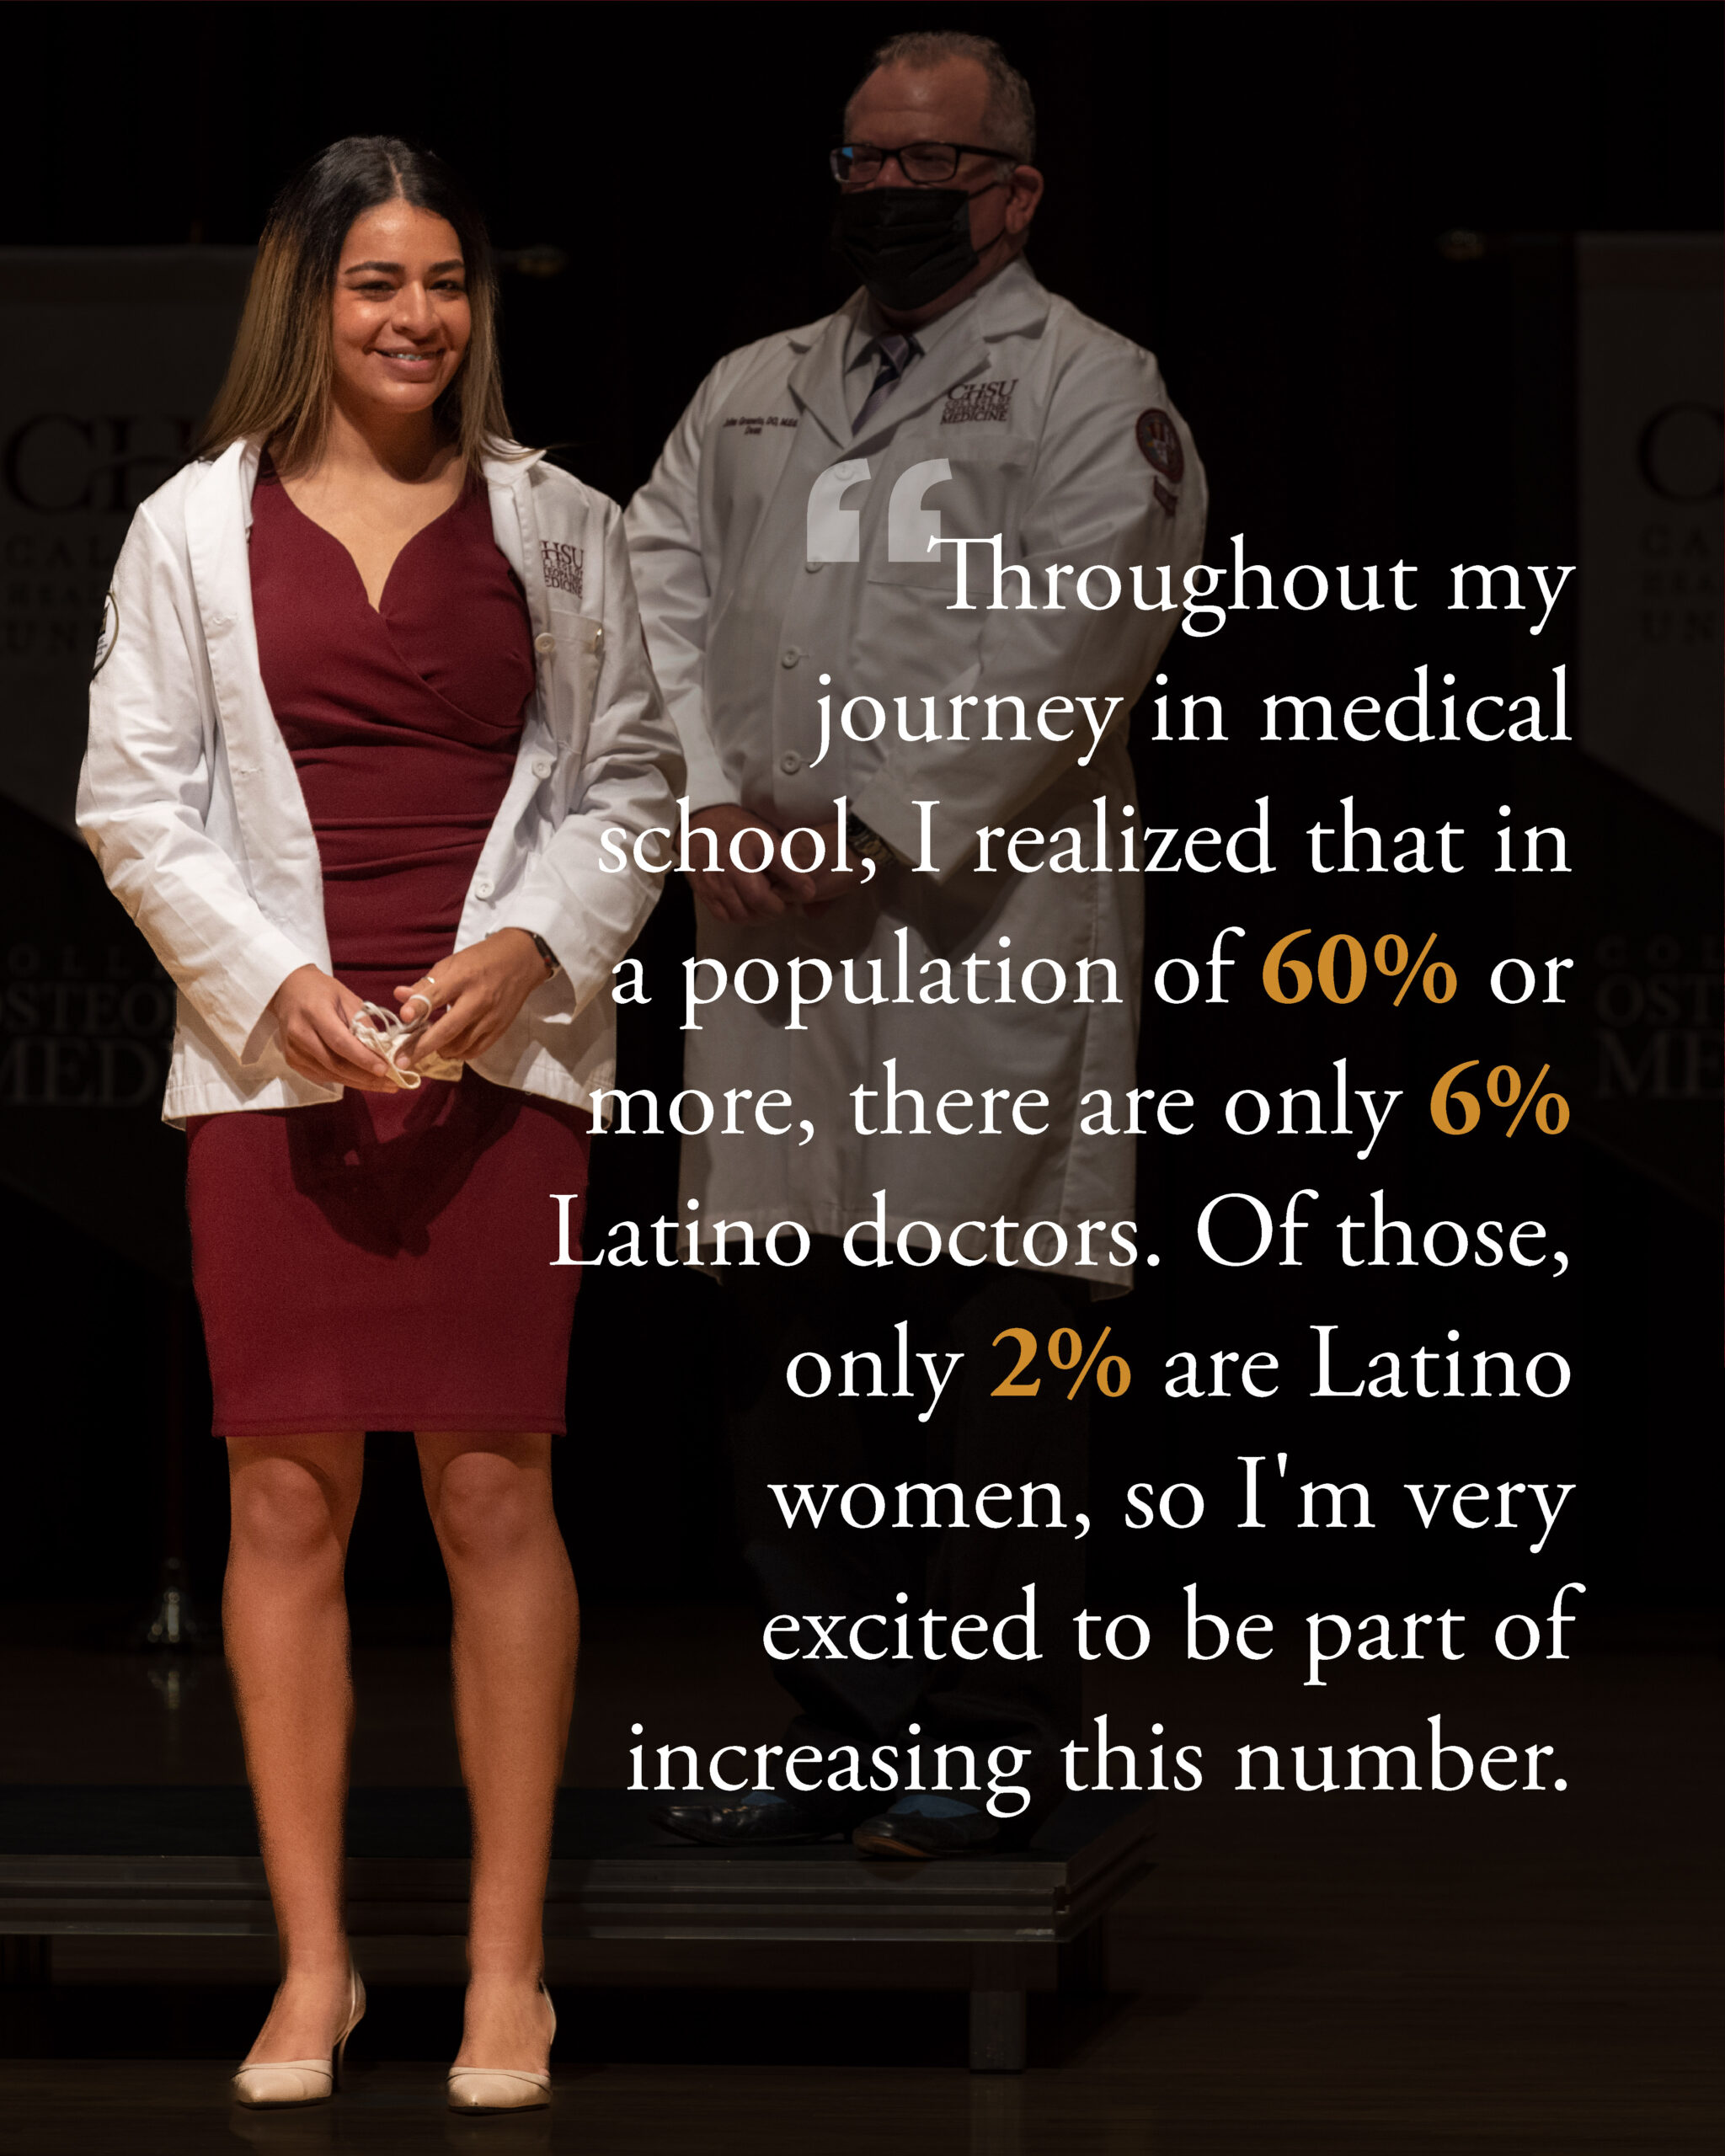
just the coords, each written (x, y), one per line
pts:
(389, 1034)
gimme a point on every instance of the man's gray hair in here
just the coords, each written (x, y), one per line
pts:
(1009, 117)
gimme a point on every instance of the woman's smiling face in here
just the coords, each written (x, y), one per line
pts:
(400, 317)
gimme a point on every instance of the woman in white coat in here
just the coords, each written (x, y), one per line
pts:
(372, 684)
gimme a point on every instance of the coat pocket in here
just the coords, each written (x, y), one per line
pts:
(570, 669)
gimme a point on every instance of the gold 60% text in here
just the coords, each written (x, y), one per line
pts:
(1342, 970)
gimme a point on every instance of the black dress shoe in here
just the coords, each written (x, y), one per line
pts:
(760, 1815)
(922, 1826)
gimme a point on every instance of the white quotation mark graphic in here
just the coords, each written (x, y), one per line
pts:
(835, 532)
(911, 530)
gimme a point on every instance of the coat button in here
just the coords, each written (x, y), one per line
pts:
(814, 568)
(542, 767)
(545, 642)
(790, 763)
(483, 887)
(598, 639)
(790, 655)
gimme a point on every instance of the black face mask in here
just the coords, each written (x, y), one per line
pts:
(907, 244)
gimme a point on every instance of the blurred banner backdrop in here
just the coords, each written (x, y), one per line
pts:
(112, 355)
(1651, 359)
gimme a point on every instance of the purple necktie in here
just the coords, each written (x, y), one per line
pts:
(895, 355)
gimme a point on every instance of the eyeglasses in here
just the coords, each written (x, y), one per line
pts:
(924, 164)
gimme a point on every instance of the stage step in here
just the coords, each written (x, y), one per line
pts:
(184, 1861)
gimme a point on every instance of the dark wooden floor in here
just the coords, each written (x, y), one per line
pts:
(1341, 1976)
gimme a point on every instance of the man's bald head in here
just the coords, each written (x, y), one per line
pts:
(956, 71)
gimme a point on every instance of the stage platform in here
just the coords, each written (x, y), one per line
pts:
(183, 1862)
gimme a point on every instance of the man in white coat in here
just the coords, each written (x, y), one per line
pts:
(953, 934)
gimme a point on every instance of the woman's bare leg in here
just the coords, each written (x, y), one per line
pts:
(284, 1618)
(516, 1630)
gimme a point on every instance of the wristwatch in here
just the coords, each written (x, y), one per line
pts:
(868, 842)
(552, 963)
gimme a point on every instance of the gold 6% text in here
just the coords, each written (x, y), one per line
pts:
(1456, 1110)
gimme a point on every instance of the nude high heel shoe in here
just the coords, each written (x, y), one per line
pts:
(274, 2084)
(498, 2088)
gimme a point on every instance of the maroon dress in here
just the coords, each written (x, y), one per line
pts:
(385, 1261)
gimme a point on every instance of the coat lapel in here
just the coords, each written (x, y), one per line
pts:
(218, 522)
(817, 382)
(515, 525)
(279, 841)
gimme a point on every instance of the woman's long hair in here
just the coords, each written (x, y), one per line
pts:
(278, 382)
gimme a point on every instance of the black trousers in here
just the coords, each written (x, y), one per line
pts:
(827, 1308)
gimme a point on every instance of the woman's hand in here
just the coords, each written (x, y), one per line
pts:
(313, 1012)
(476, 994)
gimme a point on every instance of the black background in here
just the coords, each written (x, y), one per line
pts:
(1257, 193)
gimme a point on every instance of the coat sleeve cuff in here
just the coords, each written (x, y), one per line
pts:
(243, 1024)
(563, 992)
(899, 823)
(705, 778)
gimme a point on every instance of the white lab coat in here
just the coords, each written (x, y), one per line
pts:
(189, 799)
(1037, 412)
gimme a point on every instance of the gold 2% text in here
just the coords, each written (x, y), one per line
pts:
(1065, 1351)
